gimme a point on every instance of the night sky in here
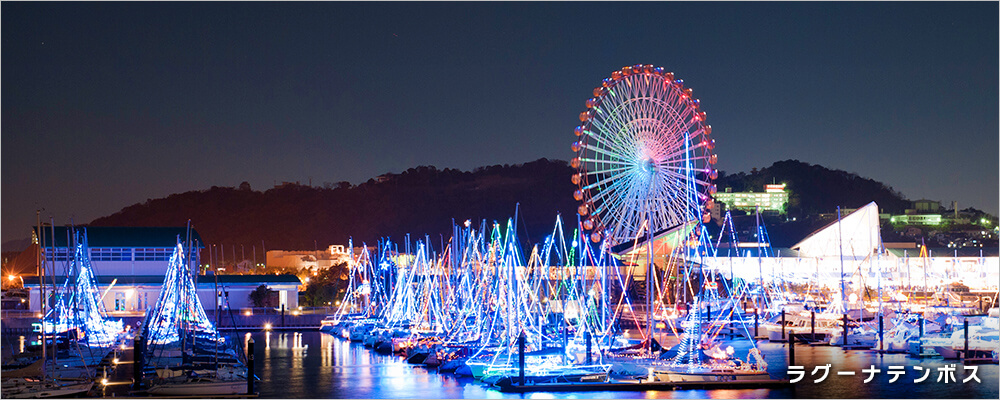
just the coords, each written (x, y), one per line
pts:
(106, 105)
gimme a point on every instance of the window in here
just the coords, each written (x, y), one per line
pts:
(153, 254)
(59, 254)
(120, 301)
(111, 254)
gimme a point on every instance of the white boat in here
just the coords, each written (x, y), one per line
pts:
(26, 388)
(550, 374)
(198, 386)
(716, 365)
(857, 337)
(708, 374)
(801, 323)
(52, 370)
(328, 323)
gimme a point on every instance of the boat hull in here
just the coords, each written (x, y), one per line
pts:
(198, 388)
(710, 376)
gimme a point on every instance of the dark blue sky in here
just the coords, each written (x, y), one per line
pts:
(108, 104)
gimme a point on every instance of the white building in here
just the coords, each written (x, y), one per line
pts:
(130, 263)
(319, 259)
(133, 295)
(774, 198)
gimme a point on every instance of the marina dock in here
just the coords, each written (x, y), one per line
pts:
(635, 385)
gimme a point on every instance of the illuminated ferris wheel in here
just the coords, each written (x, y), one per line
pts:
(644, 153)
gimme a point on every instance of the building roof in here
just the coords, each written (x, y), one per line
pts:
(124, 236)
(664, 241)
(202, 280)
(855, 235)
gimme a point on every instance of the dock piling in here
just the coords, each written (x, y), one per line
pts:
(965, 350)
(138, 347)
(791, 348)
(250, 372)
(783, 324)
(812, 325)
(520, 358)
(920, 322)
(755, 323)
(881, 337)
(845, 332)
(920, 337)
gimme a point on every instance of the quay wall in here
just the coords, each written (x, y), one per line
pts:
(20, 323)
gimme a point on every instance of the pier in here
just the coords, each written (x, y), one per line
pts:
(636, 385)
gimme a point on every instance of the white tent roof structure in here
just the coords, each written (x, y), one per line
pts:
(856, 236)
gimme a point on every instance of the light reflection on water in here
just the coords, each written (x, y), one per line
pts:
(289, 367)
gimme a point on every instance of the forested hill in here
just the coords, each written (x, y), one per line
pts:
(425, 200)
(816, 189)
(419, 201)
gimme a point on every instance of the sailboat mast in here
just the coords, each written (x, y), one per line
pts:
(40, 243)
(840, 244)
(762, 301)
(650, 271)
(923, 255)
(52, 225)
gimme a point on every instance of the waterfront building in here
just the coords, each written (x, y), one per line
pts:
(130, 263)
(308, 259)
(133, 295)
(854, 236)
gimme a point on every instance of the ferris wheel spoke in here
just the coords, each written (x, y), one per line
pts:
(613, 136)
(618, 149)
(609, 155)
(616, 204)
(607, 179)
(678, 159)
(672, 199)
(606, 171)
(610, 194)
(615, 123)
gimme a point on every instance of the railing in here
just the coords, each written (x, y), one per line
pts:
(20, 314)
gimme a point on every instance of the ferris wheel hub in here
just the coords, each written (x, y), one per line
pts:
(648, 165)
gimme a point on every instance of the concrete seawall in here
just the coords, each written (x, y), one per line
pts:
(21, 324)
(258, 320)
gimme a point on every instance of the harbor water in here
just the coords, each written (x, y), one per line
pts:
(312, 364)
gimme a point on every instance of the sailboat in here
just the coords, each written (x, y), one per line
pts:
(185, 350)
(28, 388)
(80, 330)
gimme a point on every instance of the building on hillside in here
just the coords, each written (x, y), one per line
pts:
(314, 259)
(772, 200)
(926, 206)
(917, 219)
(845, 211)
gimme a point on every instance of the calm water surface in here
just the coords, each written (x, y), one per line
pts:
(317, 365)
(312, 364)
